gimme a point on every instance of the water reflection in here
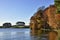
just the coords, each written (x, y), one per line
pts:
(38, 35)
(21, 34)
(15, 34)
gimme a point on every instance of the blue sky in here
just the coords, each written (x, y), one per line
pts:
(20, 10)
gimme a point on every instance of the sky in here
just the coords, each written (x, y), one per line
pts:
(20, 10)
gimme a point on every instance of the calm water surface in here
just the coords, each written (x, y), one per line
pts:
(18, 34)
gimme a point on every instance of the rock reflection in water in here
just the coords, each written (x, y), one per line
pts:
(38, 35)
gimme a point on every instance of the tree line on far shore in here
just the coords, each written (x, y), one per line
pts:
(19, 24)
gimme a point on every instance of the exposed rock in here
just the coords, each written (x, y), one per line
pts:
(44, 16)
(50, 12)
(44, 19)
(58, 19)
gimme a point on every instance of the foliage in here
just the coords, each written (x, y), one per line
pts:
(57, 3)
(7, 25)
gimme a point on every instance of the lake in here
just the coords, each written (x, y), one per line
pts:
(18, 34)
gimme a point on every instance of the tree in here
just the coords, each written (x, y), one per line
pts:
(57, 4)
(41, 8)
(19, 23)
(7, 25)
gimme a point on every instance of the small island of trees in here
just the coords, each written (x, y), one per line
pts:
(19, 24)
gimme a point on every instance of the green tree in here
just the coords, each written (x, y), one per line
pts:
(57, 3)
(7, 25)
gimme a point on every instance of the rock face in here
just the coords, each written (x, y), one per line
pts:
(47, 19)
(50, 12)
(41, 17)
(58, 19)
(36, 22)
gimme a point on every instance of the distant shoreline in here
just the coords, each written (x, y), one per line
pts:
(14, 27)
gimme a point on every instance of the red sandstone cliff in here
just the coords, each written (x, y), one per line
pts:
(48, 15)
(58, 19)
(50, 12)
(39, 19)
